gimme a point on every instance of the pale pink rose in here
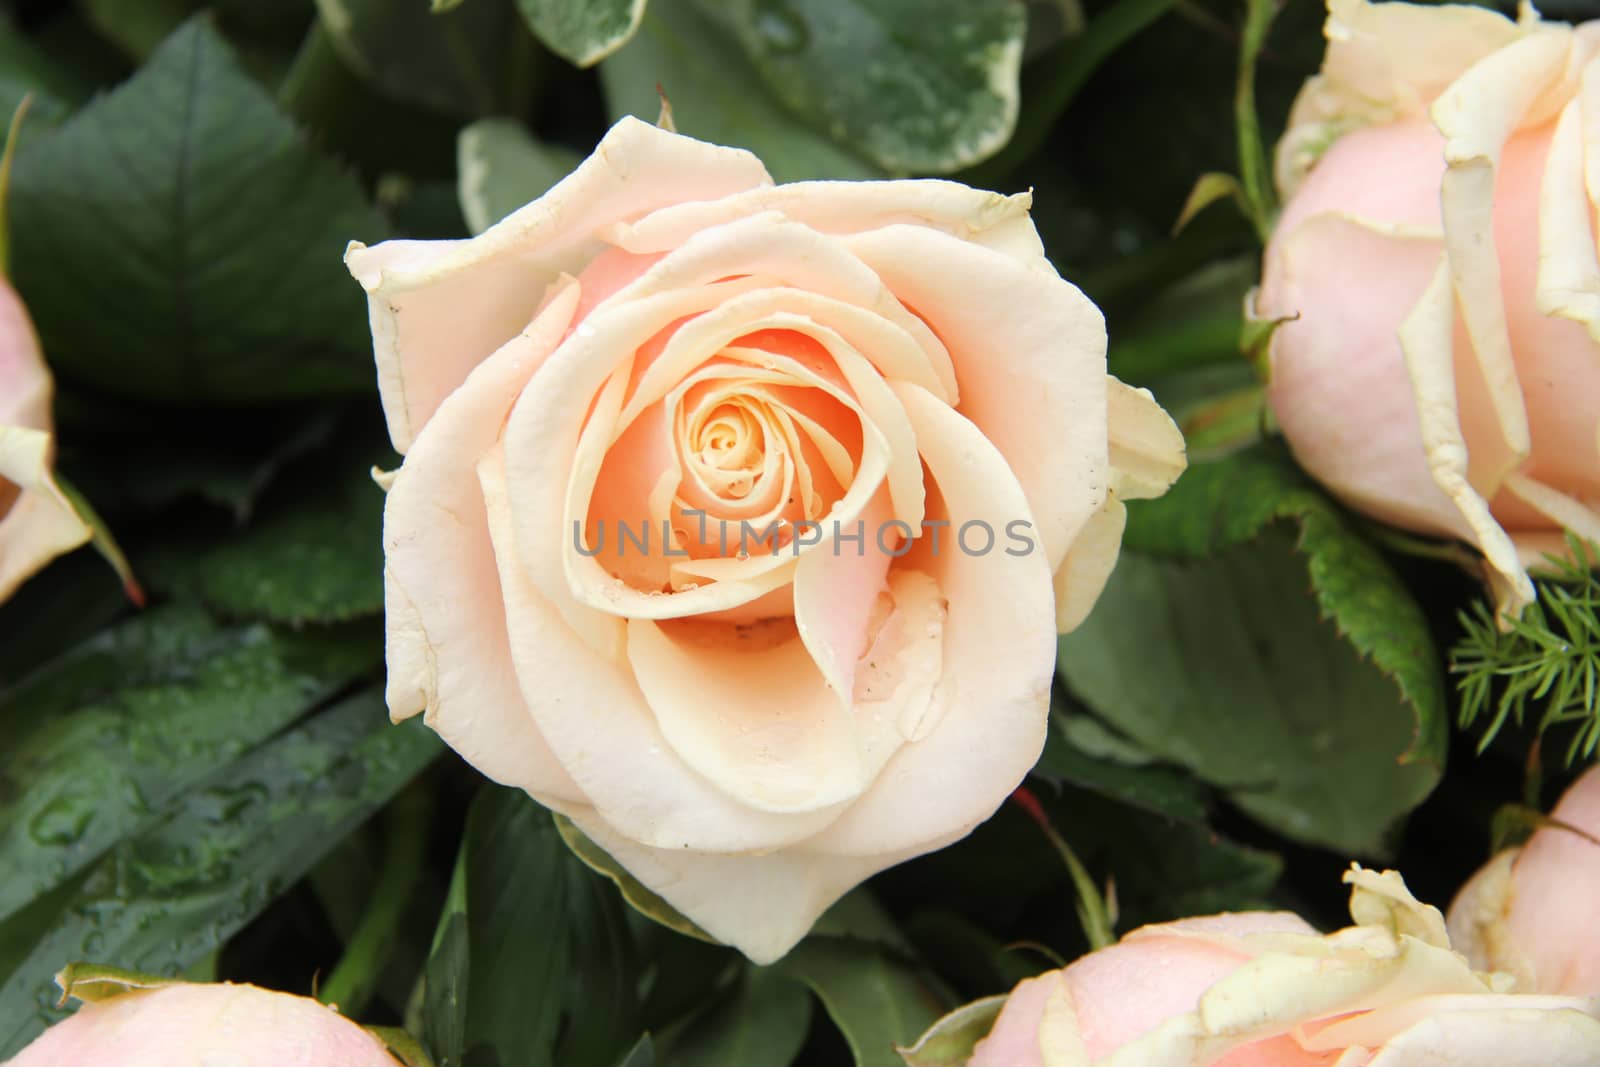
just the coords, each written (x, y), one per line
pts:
(1265, 990)
(1436, 265)
(37, 524)
(1534, 912)
(667, 335)
(185, 1025)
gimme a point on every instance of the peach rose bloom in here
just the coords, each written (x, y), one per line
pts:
(1436, 265)
(603, 397)
(1534, 912)
(184, 1025)
(37, 524)
(1265, 990)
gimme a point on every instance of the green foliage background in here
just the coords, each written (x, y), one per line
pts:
(210, 787)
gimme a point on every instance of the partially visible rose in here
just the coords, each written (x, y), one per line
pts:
(37, 524)
(1534, 912)
(193, 1025)
(597, 396)
(1265, 990)
(1436, 270)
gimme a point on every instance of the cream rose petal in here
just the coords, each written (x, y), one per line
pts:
(1147, 454)
(41, 523)
(790, 748)
(1034, 384)
(1475, 1029)
(995, 220)
(447, 650)
(801, 747)
(1426, 340)
(760, 902)
(1373, 71)
(1569, 272)
(1082, 576)
(1147, 449)
(821, 270)
(1477, 114)
(992, 702)
(590, 711)
(438, 308)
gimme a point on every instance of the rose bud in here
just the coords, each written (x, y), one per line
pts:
(182, 1024)
(737, 521)
(37, 523)
(1435, 272)
(1534, 912)
(1265, 990)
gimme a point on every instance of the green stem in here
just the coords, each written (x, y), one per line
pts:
(1254, 173)
(355, 978)
(1092, 910)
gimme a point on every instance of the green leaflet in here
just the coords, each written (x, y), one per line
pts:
(724, 102)
(202, 231)
(162, 900)
(917, 86)
(102, 742)
(584, 33)
(1319, 711)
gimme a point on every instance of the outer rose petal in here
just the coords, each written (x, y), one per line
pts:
(25, 385)
(1034, 384)
(981, 217)
(447, 650)
(1533, 912)
(989, 712)
(438, 308)
(37, 523)
(1147, 454)
(237, 1025)
(1125, 990)
(1374, 72)
(762, 902)
(1340, 352)
(41, 524)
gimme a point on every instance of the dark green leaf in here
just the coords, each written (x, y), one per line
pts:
(724, 102)
(925, 86)
(203, 234)
(315, 553)
(584, 33)
(1157, 789)
(161, 901)
(136, 28)
(878, 997)
(762, 1023)
(473, 60)
(1319, 711)
(444, 1006)
(549, 975)
(148, 463)
(104, 740)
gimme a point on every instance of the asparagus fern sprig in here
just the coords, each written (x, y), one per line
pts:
(1546, 663)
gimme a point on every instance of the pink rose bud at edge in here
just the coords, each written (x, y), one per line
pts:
(236, 1025)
